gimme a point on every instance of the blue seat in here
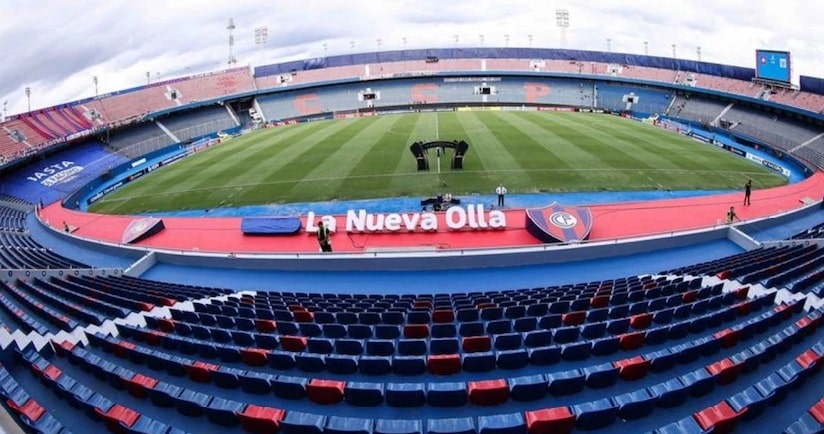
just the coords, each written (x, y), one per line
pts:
(405, 394)
(418, 317)
(360, 331)
(298, 422)
(537, 338)
(597, 315)
(576, 351)
(443, 346)
(409, 365)
(528, 387)
(242, 338)
(467, 329)
(310, 362)
(537, 310)
(545, 355)
(566, 382)
(191, 403)
(145, 425)
(265, 341)
(288, 387)
(281, 360)
(319, 345)
(635, 405)
(594, 330)
(478, 362)
(618, 326)
(162, 394)
(369, 318)
(773, 388)
(601, 375)
(670, 393)
(334, 331)
(662, 360)
(515, 359)
(443, 330)
(341, 365)
(595, 414)
(564, 335)
(380, 347)
(699, 382)
(500, 326)
(605, 346)
(363, 394)
(467, 315)
(398, 426)
(347, 425)
(220, 335)
(446, 394)
(351, 347)
(224, 411)
(687, 425)
(259, 383)
(805, 424)
(374, 365)
(462, 425)
(411, 347)
(751, 400)
(525, 324)
(507, 341)
(509, 423)
(226, 377)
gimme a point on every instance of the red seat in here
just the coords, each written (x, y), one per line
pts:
(117, 417)
(744, 307)
(201, 371)
(63, 348)
(574, 318)
(806, 324)
(599, 301)
(52, 372)
(443, 364)
(303, 316)
(718, 419)
(808, 358)
(167, 301)
(817, 411)
(293, 343)
(631, 341)
(121, 346)
(165, 324)
(416, 331)
(725, 369)
(31, 409)
(632, 368)
(145, 307)
(139, 384)
(640, 321)
(723, 274)
(558, 420)
(488, 392)
(443, 316)
(689, 296)
(476, 344)
(741, 292)
(265, 325)
(422, 304)
(484, 305)
(254, 356)
(296, 308)
(728, 337)
(325, 391)
(259, 419)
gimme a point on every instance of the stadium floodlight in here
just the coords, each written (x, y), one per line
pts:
(352, 46)
(506, 40)
(148, 77)
(261, 37)
(403, 39)
(698, 52)
(5, 109)
(94, 79)
(28, 97)
(673, 51)
(325, 47)
(562, 22)
(481, 37)
(457, 38)
(609, 45)
(231, 27)
(646, 48)
(530, 40)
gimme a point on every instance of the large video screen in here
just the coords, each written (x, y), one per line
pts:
(772, 65)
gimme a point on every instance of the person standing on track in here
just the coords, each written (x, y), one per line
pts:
(501, 192)
(747, 192)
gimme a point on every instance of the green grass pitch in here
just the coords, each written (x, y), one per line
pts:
(370, 158)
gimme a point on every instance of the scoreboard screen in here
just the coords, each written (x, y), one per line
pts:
(772, 65)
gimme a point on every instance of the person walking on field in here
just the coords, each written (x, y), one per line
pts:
(501, 192)
(324, 241)
(747, 192)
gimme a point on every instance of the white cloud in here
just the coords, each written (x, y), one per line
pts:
(56, 47)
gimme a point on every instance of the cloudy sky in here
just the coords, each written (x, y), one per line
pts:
(56, 47)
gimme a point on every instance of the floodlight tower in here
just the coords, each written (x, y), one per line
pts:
(673, 51)
(698, 52)
(94, 79)
(506, 40)
(261, 36)
(609, 45)
(28, 97)
(562, 22)
(530, 40)
(5, 109)
(646, 48)
(231, 27)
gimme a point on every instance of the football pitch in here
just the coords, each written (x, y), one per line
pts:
(370, 158)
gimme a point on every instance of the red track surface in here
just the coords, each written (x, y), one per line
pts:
(614, 221)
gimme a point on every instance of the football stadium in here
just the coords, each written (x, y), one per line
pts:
(443, 240)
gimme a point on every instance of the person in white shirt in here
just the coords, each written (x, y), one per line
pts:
(501, 192)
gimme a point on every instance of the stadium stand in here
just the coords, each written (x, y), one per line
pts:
(198, 122)
(696, 109)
